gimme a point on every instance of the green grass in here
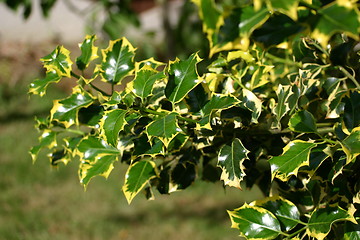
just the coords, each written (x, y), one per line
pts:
(40, 202)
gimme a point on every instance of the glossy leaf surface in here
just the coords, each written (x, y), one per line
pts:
(66, 111)
(58, 61)
(112, 123)
(118, 61)
(144, 81)
(230, 160)
(137, 176)
(295, 155)
(183, 77)
(164, 128)
(88, 52)
(39, 86)
(255, 222)
(321, 220)
(285, 211)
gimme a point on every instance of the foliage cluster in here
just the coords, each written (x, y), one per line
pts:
(275, 104)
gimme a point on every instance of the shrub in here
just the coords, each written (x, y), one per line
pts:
(275, 104)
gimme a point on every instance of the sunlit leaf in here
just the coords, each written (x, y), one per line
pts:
(137, 176)
(39, 86)
(88, 52)
(288, 7)
(320, 222)
(91, 148)
(112, 123)
(164, 128)
(144, 81)
(282, 106)
(255, 222)
(183, 77)
(58, 61)
(295, 155)
(211, 16)
(65, 111)
(118, 61)
(101, 166)
(284, 210)
(332, 21)
(230, 160)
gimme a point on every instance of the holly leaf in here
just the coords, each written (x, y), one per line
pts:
(39, 86)
(303, 121)
(112, 123)
(58, 61)
(351, 145)
(183, 77)
(211, 18)
(230, 160)
(288, 7)
(332, 21)
(295, 155)
(164, 128)
(320, 222)
(282, 106)
(65, 111)
(46, 140)
(88, 52)
(285, 211)
(91, 148)
(137, 176)
(250, 101)
(255, 222)
(118, 61)
(101, 166)
(351, 117)
(144, 81)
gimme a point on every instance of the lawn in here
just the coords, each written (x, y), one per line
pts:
(41, 202)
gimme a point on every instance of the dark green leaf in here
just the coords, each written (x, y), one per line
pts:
(332, 21)
(91, 148)
(88, 52)
(183, 175)
(58, 61)
(320, 222)
(231, 160)
(164, 128)
(351, 144)
(118, 61)
(303, 121)
(285, 211)
(137, 176)
(144, 81)
(252, 103)
(183, 77)
(112, 123)
(39, 86)
(46, 140)
(295, 155)
(144, 147)
(66, 111)
(101, 166)
(351, 115)
(352, 231)
(255, 222)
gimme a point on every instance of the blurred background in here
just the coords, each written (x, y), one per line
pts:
(38, 201)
